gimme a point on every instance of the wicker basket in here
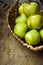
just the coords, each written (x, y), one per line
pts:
(12, 14)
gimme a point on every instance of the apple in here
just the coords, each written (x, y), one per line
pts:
(27, 10)
(21, 19)
(34, 22)
(21, 8)
(32, 37)
(35, 9)
(31, 9)
(42, 21)
(41, 33)
(20, 29)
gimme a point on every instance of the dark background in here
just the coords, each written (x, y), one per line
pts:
(11, 51)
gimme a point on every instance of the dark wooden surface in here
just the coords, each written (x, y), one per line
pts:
(12, 52)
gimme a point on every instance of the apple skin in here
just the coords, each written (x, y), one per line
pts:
(21, 19)
(31, 9)
(20, 29)
(21, 8)
(42, 21)
(41, 33)
(32, 37)
(34, 22)
(35, 9)
(27, 10)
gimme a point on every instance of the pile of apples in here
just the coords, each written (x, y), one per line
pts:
(29, 24)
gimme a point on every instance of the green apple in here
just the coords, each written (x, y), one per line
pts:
(34, 22)
(42, 19)
(21, 8)
(41, 33)
(21, 19)
(32, 37)
(27, 10)
(20, 29)
(31, 9)
(35, 9)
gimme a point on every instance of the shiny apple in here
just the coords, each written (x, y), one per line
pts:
(41, 33)
(20, 29)
(21, 8)
(21, 19)
(32, 37)
(34, 22)
(31, 9)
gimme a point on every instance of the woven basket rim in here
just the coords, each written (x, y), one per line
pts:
(37, 48)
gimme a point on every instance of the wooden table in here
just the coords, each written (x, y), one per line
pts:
(12, 52)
